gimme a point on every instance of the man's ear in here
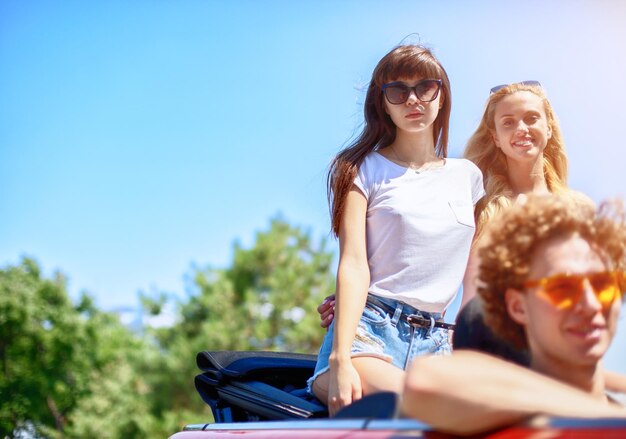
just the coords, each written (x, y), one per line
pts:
(515, 301)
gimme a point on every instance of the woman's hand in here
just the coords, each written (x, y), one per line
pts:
(344, 386)
(326, 310)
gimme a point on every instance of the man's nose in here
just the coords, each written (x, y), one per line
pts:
(589, 300)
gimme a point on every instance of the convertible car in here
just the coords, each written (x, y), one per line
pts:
(262, 395)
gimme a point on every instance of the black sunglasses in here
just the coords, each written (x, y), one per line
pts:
(501, 86)
(426, 90)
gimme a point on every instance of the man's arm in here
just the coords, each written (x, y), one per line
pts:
(469, 392)
(615, 382)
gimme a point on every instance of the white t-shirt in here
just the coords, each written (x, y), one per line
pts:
(419, 228)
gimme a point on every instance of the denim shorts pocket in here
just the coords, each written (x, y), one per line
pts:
(463, 211)
(375, 315)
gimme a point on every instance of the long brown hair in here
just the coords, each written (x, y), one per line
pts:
(482, 150)
(402, 62)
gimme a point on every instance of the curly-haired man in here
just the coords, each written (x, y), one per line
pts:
(552, 280)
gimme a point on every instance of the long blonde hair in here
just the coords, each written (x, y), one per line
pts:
(482, 150)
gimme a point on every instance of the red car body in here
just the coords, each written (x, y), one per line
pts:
(398, 428)
(261, 395)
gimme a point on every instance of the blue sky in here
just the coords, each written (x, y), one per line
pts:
(140, 138)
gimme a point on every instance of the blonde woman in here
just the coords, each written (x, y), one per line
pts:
(519, 148)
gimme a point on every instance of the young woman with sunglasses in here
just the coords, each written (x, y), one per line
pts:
(403, 213)
(519, 148)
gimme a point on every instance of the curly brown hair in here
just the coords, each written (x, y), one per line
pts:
(511, 239)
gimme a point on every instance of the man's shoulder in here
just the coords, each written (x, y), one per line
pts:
(472, 332)
(616, 398)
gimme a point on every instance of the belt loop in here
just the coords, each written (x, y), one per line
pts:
(396, 314)
(432, 325)
(408, 352)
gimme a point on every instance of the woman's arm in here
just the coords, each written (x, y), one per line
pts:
(470, 279)
(469, 392)
(353, 279)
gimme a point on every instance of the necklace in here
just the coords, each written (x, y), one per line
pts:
(423, 168)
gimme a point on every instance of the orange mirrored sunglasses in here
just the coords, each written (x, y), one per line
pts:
(564, 290)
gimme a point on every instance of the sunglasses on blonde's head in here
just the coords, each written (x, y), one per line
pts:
(501, 86)
(565, 290)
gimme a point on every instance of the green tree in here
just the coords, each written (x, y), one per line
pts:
(265, 300)
(70, 370)
(50, 350)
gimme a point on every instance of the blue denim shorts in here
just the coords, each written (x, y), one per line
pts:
(384, 332)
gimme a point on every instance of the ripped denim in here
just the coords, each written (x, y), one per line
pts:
(383, 332)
